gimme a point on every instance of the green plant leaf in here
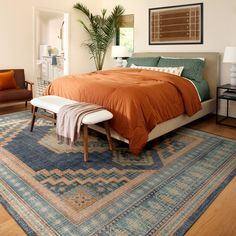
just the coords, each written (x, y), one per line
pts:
(101, 31)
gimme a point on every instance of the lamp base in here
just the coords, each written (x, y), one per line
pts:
(119, 62)
(233, 75)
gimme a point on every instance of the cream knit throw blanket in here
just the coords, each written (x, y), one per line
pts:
(69, 120)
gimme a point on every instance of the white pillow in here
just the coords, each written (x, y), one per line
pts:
(200, 58)
(170, 70)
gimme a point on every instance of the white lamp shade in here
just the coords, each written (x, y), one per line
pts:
(119, 51)
(230, 55)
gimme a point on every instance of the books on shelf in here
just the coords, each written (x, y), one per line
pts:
(230, 93)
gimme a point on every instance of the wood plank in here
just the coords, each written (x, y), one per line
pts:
(8, 226)
(207, 124)
(220, 217)
(11, 109)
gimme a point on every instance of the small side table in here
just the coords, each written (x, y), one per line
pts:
(229, 94)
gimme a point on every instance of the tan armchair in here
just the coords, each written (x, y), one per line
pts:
(23, 92)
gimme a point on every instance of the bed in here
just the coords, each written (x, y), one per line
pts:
(211, 75)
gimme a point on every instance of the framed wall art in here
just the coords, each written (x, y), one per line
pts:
(181, 24)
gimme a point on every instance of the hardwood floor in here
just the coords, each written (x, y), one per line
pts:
(6, 110)
(208, 124)
(218, 220)
(8, 226)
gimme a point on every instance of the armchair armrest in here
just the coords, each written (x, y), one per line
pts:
(29, 84)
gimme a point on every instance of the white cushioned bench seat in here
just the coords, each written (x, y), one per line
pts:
(53, 104)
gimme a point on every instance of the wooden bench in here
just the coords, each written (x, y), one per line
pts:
(52, 104)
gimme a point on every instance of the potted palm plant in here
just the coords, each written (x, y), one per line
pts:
(101, 30)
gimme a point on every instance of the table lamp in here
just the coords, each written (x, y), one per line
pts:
(230, 57)
(119, 52)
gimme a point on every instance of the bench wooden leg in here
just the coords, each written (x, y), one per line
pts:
(35, 109)
(106, 125)
(85, 134)
(54, 116)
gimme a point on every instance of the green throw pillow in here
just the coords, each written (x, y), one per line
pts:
(203, 89)
(142, 61)
(193, 68)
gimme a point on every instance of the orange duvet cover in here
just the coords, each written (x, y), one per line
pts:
(139, 99)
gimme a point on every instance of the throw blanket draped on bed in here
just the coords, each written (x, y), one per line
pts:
(139, 99)
(69, 120)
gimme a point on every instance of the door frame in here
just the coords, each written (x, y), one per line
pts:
(66, 43)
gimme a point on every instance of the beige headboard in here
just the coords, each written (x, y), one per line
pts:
(212, 66)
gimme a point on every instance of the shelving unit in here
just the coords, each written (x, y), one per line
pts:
(228, 94)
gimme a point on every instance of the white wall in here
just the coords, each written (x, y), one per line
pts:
(54, 26)
(219, 20)
(219, 16)
(17, 34)
(43, 30)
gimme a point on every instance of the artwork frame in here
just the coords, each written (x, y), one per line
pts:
(176, 25)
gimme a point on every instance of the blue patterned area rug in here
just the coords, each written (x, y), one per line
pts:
(49, 190)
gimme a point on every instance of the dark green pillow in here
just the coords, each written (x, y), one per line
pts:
(193, 68)
(203, 89)
(142, 61)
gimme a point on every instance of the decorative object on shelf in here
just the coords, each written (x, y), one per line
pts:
(101, 30)
(181, 24)
(230, 57)
(54, 60)
(43, 51)
(119, 52)
(50, 49)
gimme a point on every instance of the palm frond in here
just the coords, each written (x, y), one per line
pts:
(101, 30)
(82, 8)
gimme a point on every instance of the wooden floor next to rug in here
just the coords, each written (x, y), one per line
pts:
(8, 226)
(218, 219)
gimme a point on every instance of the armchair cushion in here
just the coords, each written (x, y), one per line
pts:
(21, 92)
(7, 80)
(14, 95)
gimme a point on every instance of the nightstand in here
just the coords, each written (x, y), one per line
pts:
(228, 93)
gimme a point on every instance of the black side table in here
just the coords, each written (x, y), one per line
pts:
(228, 94)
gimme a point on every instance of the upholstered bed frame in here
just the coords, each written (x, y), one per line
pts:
(211, 74)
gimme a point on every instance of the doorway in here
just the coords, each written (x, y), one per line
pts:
(51, 47)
